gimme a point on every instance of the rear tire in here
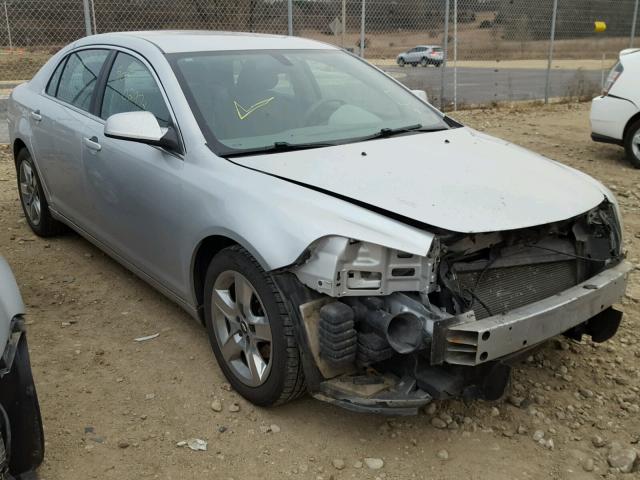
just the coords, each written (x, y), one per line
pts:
(251, 334)
(632, 144)
(32, 198)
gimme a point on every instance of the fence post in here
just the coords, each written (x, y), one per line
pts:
(455, 55)
(633, 23)
(93, 16)
(6, 17)
(87, 17)
(290, 17)
(445, 57)
(344, 20)
(550, 59)
(362, 29)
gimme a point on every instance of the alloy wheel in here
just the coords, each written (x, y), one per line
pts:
(635, 144)
(242, 328)
(30, 193)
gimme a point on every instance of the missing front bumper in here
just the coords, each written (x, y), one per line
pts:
(473, 342)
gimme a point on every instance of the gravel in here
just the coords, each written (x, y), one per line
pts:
(438, 423)
(622, 458)
(374, 463)
(443, 454)
(588, 465)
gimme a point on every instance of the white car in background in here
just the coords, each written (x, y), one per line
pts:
(424, 55)
(615, 115)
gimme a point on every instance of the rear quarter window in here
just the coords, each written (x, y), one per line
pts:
(52, 86)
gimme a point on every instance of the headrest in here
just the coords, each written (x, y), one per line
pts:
(204, 72)
(256, 77)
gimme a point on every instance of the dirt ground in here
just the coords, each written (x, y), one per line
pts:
(115, 409)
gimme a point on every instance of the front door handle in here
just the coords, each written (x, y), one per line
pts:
(92, 143)
(36, 115)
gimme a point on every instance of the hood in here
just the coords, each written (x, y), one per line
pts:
(458, 180)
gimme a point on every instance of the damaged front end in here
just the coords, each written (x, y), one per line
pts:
(387, 331)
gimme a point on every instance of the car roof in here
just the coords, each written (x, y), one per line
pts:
(429, 46)
(180, 41)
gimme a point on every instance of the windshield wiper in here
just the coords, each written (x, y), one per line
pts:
(390, 132)
(278, 147)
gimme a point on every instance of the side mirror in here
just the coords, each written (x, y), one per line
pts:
(141, 127)
(421, 94)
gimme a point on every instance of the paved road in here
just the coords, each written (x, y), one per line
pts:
(484, 85)
(475, 85)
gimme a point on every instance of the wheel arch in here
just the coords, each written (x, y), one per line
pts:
(18, 145)
(204, 252)
(631, 121)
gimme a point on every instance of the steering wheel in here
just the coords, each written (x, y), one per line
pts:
(321, 107)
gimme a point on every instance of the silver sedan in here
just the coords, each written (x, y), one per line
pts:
(332, 230)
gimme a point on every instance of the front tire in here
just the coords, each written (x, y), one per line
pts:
(632, 144)
(4, 460)
(250, 331)
(424, 62)
(401, 62)
(32, 198)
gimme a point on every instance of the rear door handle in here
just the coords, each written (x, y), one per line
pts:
(36, 115)
(92, 143)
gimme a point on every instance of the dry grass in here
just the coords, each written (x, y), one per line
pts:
(21, 64)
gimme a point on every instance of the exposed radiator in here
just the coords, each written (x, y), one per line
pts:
(506, 288)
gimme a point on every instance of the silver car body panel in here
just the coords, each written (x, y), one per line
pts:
(11, 303)
(151, 209)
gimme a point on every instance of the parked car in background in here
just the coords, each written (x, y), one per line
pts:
(21, 436)
(424, 55)
(615, 115)
(334, 232)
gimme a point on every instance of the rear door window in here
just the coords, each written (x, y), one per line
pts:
(80, 76)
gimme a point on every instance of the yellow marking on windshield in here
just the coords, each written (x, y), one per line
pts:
(245, 112)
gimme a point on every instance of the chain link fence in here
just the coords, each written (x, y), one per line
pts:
(495, 50)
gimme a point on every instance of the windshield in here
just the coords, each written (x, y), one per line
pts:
(253, 100)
